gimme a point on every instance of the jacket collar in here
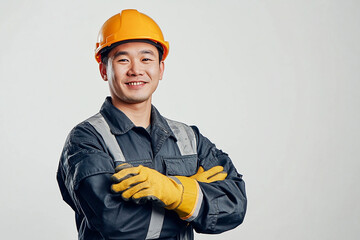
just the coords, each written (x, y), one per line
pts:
(119, 123)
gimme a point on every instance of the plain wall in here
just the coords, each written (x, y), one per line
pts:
(276, 84)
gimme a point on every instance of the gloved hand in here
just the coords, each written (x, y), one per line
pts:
(216, 173)
(141, 183)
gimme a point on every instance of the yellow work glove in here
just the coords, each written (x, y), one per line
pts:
(141, 183)
(213, 174)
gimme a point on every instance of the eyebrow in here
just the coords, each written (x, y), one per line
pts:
(147, 52)
(120, 53)
(127, 53)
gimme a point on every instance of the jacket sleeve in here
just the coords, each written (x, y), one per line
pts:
(224, 202)
(84, 178)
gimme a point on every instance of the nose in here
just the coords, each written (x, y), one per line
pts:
(135, 69)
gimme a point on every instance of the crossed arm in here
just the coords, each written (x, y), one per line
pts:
(223, 205)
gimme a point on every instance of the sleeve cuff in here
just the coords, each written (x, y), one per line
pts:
(192, 199)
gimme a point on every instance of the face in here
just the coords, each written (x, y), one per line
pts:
(133, 72)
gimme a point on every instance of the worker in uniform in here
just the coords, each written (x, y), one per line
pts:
(130, 173)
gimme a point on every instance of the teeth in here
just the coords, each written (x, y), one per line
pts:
(135, 83)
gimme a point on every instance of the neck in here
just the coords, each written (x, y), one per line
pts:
(138, 113)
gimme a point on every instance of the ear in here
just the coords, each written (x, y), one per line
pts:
(102, 68)
(162, 68)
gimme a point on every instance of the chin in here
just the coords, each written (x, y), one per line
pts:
(136, 100)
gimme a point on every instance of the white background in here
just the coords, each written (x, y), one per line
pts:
(273, 83)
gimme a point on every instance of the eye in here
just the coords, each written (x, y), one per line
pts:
(146, 59)
(122, 60)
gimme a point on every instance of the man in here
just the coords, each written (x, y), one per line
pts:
(130, 173)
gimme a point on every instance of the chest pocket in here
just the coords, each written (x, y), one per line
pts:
(181, 166)
(186, 164)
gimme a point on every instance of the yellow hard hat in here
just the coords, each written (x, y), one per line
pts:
(129, 25)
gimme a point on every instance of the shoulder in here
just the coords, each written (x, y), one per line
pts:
(83, 136)
(177, 127)
(83, 130)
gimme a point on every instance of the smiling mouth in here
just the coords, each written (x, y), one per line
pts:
(135, 83)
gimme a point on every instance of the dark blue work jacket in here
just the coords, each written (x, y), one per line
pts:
(85, 169)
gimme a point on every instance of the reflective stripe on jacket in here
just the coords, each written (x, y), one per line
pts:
(87, 164)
